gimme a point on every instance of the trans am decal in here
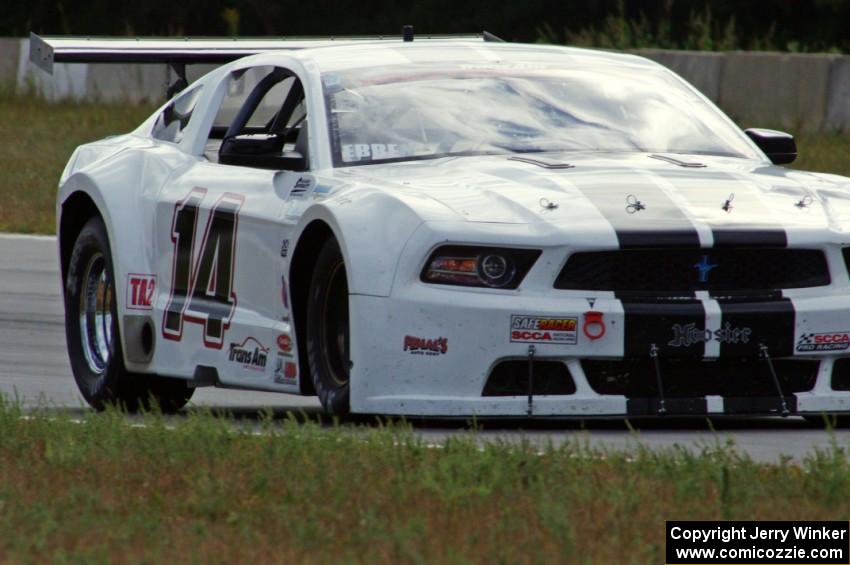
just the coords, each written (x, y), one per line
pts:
(251, 354)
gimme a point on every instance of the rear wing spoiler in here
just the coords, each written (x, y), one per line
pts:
(44, 51)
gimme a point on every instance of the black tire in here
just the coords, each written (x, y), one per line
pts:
(97, 358)
(328, 331)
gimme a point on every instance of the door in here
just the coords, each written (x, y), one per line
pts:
(220, 229)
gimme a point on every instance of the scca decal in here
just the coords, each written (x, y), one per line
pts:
(837, 341)
(202, 286)
(535, 329)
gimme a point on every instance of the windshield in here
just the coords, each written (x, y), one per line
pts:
(422, 111)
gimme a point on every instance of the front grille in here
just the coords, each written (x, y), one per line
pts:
(686, 378)
(663, 272)
(841, 374)
(510, 378)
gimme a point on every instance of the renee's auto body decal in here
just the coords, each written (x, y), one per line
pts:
(425, 346)
(202, 285)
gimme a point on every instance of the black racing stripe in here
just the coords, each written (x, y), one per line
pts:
(641, 214)
(741, 236)
(747, 324)
(660, 222)
(672, 406)
(712, 191)
(758, 404)
(661, 324)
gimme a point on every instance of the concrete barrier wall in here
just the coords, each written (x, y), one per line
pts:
(793, 91)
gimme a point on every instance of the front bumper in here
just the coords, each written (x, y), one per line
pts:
(429, 350)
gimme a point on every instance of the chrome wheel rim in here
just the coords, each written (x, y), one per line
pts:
(96, 314)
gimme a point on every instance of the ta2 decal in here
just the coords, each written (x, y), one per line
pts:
(141, 290)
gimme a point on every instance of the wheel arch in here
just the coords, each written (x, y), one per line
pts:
(75, 211)
(301, 267)
(371, 228)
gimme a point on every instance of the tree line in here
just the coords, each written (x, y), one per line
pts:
(784, 25)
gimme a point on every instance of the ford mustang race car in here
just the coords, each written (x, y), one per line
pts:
(449, 227)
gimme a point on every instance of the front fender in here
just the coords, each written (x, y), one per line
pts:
(372, 228)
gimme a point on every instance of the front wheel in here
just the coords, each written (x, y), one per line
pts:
(328, 342)
(91, 330)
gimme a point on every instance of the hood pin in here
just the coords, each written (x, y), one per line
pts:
(805, 202)
(548, 204)
(727, 206)
(633, 204)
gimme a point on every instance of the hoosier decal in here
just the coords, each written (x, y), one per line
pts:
(689, 334)
(533, 329)
(250, 357)
(837, 341)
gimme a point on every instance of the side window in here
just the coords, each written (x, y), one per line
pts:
(239, 86)
(270, 105)
(269, 130)
(175, 117)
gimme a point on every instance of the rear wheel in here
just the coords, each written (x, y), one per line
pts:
(328, 341)
(91, 330)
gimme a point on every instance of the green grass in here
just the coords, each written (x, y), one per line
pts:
(202, 489)
(40, 137)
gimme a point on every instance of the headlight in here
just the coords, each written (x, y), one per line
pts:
(493, 267)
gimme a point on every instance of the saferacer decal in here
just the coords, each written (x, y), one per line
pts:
(141, 290)
(425, 346)
(834, 341)
(534, 329)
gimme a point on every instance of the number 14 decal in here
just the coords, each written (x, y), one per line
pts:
(202, 286)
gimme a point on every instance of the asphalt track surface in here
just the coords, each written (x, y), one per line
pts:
(34, 368)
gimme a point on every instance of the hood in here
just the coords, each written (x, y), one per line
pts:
(632, 192)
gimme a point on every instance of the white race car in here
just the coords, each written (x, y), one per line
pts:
(449, 227)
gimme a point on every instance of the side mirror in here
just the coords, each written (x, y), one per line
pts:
(262, 151)
(779, 146)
